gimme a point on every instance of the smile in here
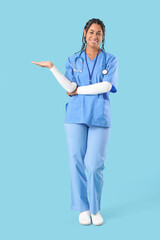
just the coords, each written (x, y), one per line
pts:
(93, 41)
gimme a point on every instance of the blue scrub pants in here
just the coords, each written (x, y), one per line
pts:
(87, 151)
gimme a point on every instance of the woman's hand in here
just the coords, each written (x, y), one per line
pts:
(44, 64)
(72, 93)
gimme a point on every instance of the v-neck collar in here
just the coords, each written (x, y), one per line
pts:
(93, 58)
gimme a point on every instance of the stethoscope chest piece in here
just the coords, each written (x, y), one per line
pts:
(104, 71)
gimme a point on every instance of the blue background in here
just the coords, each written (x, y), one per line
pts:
(34, 171)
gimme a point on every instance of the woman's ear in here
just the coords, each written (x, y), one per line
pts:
(84, 32)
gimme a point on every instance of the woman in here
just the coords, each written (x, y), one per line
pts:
(87, 118)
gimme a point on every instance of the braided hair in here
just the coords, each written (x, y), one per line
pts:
(87, 26)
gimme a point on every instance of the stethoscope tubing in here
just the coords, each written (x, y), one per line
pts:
(104, 71)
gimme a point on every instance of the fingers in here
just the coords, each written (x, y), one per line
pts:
(42, 64)
(38, 63)
(34, 62)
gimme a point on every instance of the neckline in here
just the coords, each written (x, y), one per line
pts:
(94, 57)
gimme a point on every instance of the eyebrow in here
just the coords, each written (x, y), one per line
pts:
(93, 30)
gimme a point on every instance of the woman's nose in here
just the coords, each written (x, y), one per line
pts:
(95, 37)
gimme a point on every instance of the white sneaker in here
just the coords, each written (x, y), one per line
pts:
(97, 219)
(84, 218)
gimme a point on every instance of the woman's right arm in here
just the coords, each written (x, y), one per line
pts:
(64, 82)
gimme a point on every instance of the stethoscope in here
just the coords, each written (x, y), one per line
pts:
(104, 70)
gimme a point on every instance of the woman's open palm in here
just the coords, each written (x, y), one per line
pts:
(44, 64)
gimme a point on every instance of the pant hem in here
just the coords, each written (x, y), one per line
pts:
(80, 209)
(95, 211)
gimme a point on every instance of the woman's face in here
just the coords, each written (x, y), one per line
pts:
(94, 35)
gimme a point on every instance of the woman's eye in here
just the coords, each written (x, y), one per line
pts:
(97, 33)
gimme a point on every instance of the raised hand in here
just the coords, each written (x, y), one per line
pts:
(44, 64)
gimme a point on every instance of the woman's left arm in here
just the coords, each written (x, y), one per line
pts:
(92, 89)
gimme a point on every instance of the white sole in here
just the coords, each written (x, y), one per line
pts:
(84, 223)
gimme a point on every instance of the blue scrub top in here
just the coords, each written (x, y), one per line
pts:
(93, 110)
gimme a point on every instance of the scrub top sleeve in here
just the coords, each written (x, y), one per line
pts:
(69, 71)
(112, 74)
